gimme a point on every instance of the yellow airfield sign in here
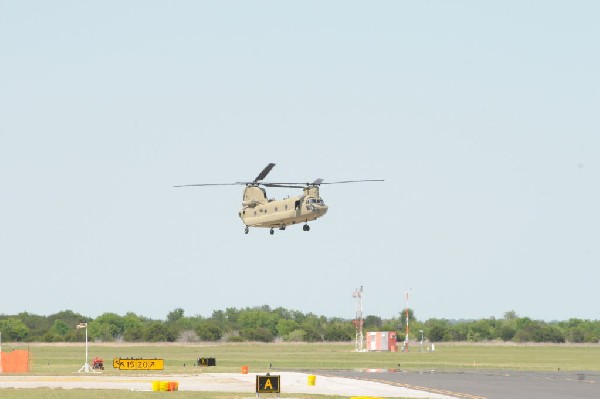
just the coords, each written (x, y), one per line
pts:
(138, 364)
(267, 384)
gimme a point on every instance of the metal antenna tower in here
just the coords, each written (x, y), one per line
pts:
(406, 337)
(359, 320)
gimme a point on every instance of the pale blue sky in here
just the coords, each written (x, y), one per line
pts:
(483, 117)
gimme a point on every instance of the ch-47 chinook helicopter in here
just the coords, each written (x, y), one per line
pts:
(259, 211)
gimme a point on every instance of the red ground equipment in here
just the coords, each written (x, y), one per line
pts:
(98, 363)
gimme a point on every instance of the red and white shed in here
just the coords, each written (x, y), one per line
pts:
(382, 341)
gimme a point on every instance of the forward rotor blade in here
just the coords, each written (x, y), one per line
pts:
(317, 182)
(278, 185)
(210, 184)
(264, 172)
(349, 181)
(293, 184)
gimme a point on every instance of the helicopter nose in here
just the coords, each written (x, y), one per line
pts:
(321, 208)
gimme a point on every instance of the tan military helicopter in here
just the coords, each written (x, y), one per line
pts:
(259, 211)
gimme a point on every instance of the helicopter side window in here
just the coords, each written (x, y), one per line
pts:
(297, 204)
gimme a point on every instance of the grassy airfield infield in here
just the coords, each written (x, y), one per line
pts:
(180, 359)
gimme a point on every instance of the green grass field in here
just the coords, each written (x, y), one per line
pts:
(67, 359)
(180, 358)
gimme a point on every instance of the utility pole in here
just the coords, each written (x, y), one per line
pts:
(86, 367)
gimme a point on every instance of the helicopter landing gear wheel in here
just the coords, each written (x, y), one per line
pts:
(246, 230)
(306, 227)
(272, 232)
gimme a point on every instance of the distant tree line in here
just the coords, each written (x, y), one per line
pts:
(264, 324)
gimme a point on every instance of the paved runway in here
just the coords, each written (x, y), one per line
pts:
(291, 382)
(499, 384)
(411, 384)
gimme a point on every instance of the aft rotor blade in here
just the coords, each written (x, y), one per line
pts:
(264, 172)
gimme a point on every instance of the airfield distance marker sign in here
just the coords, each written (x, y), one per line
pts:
(138, 364)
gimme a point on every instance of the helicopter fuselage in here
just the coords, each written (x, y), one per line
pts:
(259, 211)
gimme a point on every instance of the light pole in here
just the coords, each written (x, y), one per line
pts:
(86, 367)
